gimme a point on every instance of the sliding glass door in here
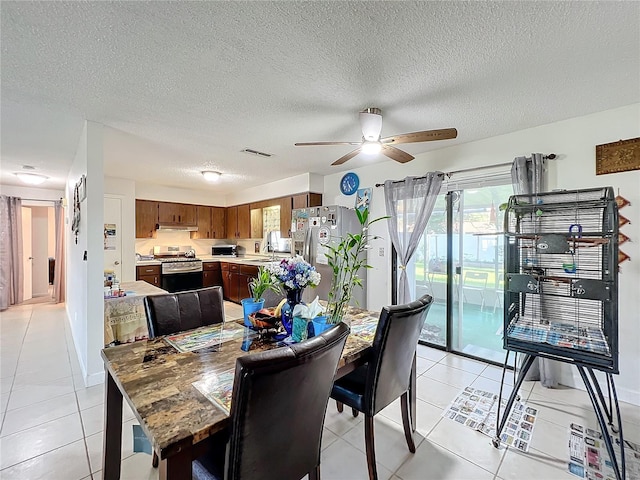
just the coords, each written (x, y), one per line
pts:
(460, 263)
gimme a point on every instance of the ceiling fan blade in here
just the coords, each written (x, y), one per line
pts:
(308, 144)
(425, 136)
(396, 154)
(346, 157)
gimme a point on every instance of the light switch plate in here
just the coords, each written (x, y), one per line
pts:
(381, 252)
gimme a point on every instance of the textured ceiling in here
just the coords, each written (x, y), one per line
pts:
(184, 86)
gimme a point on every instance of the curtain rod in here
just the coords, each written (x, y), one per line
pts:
(38, 200)
(551, 156)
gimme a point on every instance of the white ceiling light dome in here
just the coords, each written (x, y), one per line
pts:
(211, 176)
(31, 178)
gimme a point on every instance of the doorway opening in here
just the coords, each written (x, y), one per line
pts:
(38, 247)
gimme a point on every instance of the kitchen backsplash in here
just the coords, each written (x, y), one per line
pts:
(144, 246)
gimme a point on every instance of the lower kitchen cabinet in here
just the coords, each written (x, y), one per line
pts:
(211, 274)
(149, 274)
(235, 280)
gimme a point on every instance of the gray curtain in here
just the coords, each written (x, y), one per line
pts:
(58, 271)
(11, 274)
(528, 177)
(409, 204)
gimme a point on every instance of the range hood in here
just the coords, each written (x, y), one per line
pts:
(168, 227)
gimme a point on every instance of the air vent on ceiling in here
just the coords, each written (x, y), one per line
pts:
(256, 152)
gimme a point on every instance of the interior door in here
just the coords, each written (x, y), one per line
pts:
(113, 235)
(27, 254)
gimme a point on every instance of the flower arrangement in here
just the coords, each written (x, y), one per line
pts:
(295, 273)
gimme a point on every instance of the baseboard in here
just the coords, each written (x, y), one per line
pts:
(94, 379)
(571, 378)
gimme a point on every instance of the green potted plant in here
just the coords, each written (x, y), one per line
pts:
(264, 282)
(345, 259)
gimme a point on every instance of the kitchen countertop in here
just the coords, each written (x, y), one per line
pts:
(255, 260)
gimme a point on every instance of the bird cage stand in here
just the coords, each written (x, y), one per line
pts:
(561, 295)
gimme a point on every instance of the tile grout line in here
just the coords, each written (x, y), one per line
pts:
(13, 379)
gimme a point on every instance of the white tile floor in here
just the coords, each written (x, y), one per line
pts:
(52, 424)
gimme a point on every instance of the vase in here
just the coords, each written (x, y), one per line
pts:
(294, 297)
(249, 305)
(319, 325)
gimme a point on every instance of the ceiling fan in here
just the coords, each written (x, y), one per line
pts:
(371, 122)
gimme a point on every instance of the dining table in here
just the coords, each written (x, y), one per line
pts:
(179, 387)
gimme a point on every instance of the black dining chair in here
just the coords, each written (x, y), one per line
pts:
(175, 312)
(386, 374)
(278, 407)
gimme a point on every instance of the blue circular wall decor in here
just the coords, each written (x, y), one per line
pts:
(349, 183)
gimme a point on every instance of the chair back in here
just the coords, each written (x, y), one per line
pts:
(175, 312)
(393, 350)
(278, 407)
(477, 280)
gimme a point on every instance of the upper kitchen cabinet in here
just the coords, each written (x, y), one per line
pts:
(177, 214)
(305, 200)
(204, 223)
(218, 222)
(285, 216)
(239, 221)
(211, 223)
(146, 218)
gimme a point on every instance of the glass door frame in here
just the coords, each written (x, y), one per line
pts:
(452, 270)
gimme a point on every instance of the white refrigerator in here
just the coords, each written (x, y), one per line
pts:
(312, 230)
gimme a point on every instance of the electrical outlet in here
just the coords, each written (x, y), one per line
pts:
(381, 252)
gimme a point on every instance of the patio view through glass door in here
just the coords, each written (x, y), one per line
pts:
(473, 322)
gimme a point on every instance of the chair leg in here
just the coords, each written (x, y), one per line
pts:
(339, 406)
(354, 412)
(370, 445)
(315, 473)
(406, 422)
(155, 461)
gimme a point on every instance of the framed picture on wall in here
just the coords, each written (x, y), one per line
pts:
(82, 188)
(363, 198)
(615, 157)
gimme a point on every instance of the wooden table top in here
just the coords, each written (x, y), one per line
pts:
(156, 380)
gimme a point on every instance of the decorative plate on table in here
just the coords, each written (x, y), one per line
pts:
(349, 183)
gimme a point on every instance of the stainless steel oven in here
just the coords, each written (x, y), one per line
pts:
(179, 275)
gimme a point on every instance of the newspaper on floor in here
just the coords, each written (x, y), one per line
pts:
(588, 457)
(477, 409)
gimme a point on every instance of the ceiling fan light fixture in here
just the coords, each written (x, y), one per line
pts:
(211, 176)
(31, 178)
(371, 123)
(371, 148)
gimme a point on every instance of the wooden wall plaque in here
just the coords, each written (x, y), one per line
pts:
(621, 156)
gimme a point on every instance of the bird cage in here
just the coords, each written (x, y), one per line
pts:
(561, 267)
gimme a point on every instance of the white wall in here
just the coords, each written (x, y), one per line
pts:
(30, 192)
(85, 305)
(574, 141)
(307, 182)
(147, 191)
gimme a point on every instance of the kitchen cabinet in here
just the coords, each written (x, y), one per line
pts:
(235, 280)
(149, 274)
(309, 199)
(177, 214)
(210, 221)
(285, 217)
(239, 221)
(146, 218)
(218, 222)
(211, 274)
(204, 223)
